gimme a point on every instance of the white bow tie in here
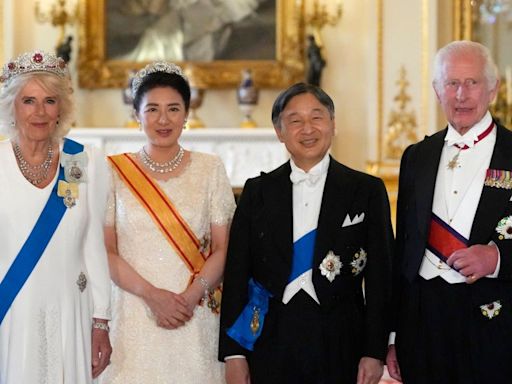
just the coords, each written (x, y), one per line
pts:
(297, 177)
(458, 142)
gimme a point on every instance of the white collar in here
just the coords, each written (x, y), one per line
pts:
(453, 137)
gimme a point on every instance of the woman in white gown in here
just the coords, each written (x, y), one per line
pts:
(166, 235)
(54, 280)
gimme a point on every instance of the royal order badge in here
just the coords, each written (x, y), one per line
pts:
(68, 192)
(358, 261)
(504, 228)
(331, 266)
(491, 310)
(74, 167)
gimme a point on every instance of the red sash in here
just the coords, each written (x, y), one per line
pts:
(443, 240)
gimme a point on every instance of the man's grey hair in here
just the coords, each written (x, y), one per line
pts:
(465, 47)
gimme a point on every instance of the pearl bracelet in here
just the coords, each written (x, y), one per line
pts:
(102, 326)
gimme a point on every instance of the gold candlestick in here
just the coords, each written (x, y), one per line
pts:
(320, 17)
(58, 16)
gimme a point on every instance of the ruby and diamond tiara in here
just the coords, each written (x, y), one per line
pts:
(158, 66)
(36, 61)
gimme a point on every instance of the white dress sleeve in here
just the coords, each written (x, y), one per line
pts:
(222, 201)
(94, 247)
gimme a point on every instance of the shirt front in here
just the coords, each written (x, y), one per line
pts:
(307, 200)
(459, 185)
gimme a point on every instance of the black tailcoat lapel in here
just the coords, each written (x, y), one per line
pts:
(277, 197)
(428, 157)
(336, 200)
(493, 200)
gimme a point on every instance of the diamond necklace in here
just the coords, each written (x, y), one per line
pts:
(36, 174)
(166, 167)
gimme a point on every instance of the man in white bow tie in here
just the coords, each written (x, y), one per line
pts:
(453, 281)
(304, 238)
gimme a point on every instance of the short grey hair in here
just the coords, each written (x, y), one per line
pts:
(464, 47)
(59, 86)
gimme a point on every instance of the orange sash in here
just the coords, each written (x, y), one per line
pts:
(166, 217)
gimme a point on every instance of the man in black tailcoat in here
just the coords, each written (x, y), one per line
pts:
(453, 280)
(307, 280)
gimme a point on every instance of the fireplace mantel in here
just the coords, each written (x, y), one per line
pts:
(245, 152)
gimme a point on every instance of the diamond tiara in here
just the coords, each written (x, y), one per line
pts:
(36, 61)
(158, 66)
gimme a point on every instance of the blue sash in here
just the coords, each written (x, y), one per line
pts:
(257, 307)
(303, 250)
(36, 243)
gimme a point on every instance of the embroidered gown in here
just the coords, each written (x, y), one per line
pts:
(45, 337)
(143, 352)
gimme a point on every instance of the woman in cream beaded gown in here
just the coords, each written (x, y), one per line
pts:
(166, 236)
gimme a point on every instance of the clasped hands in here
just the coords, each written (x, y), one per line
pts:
(171, 310)
(475, 262)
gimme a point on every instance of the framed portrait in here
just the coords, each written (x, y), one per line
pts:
(213, 40)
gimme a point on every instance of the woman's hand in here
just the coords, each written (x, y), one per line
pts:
(170, 310)
(193, 295)
(100, 349)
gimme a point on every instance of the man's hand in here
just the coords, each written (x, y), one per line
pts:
(370, 371)
(237, 371)
(392, 363)
(474, 262)
(100, 349)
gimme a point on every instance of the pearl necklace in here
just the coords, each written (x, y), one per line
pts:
(166, 167)
(36, 174)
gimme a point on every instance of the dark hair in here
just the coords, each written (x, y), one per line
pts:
(297, 89)
(159, 80)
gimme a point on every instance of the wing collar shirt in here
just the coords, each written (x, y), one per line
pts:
(307, 192)
(458, 189)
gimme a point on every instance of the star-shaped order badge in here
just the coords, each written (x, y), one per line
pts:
(504, 228)
(330, 266)
(358, 261)
(491, 310)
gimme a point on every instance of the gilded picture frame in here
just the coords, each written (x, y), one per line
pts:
(96, 70)
(462, 20)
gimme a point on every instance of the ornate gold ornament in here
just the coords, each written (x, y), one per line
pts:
(58, 16)
(319, 17)
(402, 123)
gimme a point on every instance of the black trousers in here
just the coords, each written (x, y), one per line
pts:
(298, 347)
(444, 338)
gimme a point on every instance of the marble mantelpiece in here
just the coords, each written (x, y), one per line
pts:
(245, 152)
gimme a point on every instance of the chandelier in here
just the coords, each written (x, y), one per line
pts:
(490, 10)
